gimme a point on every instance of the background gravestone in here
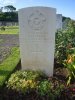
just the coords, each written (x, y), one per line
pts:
(37, 38)
(59, 21)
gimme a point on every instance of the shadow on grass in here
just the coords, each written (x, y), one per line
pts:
(4, 72)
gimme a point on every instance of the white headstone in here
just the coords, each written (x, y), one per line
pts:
(37, 38)
(59, 21)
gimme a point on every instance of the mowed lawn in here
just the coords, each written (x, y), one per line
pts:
(10, 30)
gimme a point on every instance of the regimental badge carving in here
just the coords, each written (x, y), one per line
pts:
(36, 20)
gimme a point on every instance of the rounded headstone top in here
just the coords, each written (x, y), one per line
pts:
(34, 7)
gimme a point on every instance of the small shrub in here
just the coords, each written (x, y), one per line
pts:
(65, 40)
(3, 28)
(24, 81)
(28, 82)
(57, 91)
(70, 65)
(44, 87)
(57, 87)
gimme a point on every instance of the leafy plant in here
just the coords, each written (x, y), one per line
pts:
(28, 81)
(61, 44)
(65, 40)
(44, 87)
(52, 89)
(57, 91)
(70, 64)
(24, 81)
(57, 87)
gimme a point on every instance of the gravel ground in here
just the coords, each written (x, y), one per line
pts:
(6, 43)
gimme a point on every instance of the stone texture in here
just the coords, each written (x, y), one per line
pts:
(59, 21)
(37, 38)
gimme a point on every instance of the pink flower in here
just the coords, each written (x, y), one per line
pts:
(73, 89)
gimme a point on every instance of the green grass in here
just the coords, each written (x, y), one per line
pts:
(10, 30)
(11, 27)
(8, 65)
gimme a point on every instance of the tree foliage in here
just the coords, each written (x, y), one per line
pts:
(10, 8)
(64, 18)
(9, 16)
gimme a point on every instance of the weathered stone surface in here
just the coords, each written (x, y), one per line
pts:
(37, 38)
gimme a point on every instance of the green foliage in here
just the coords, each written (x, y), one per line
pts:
(44, 87)
(8, 65)
(10, 8)
(65, 40)
(57, 87)
(9, 16)
(10, 30)
(24, 81)
(70, 64)
(57, 91)
(60, 52)
(2, 28)
(28, 81)
(65, 18)
(65, 48)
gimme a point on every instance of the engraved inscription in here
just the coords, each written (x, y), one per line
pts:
(37, 40)
(36, 20)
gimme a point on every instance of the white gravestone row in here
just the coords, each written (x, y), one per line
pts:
(37, 38)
